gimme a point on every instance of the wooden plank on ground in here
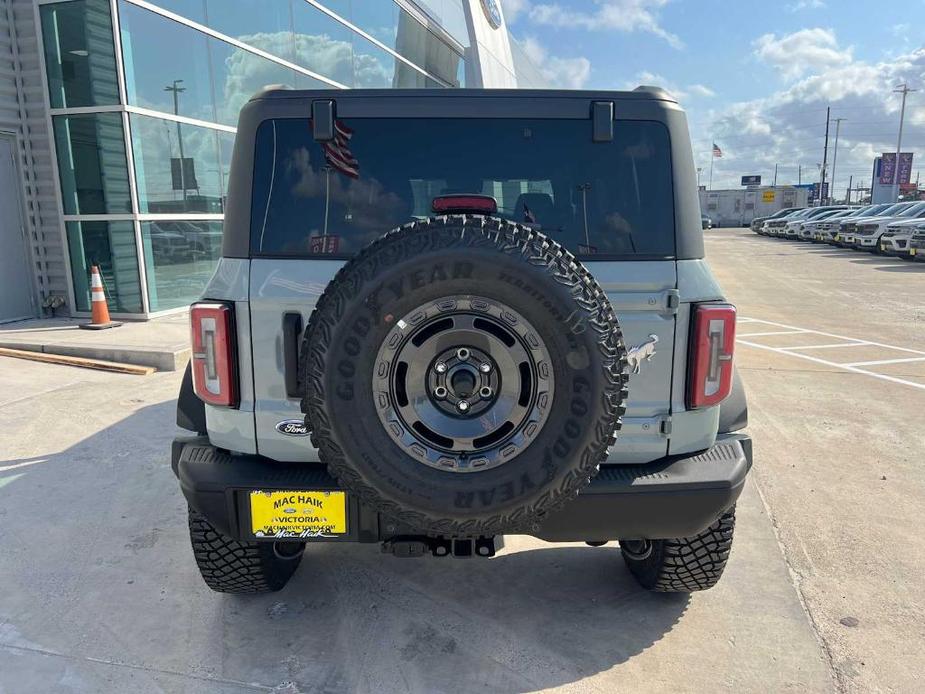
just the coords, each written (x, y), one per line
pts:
(82, 362)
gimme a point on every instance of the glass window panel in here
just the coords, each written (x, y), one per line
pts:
(264, 24)
(111, 246)
(165, 186)
(239, 74)
(173, 81)
(191, 9)
(344, 8)
(450, 15)
(598, 199)
(180, 257)
(425, 50)
(322, 44)
(92, 164)
(79, 54)
(378, 19)
(376, 68)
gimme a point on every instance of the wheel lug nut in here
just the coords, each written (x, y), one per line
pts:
(440, 392)
(485, 392)
(462, 354)
(440, 367)
(485, 367)
(462, 406)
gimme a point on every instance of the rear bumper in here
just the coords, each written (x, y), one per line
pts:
(673, 497)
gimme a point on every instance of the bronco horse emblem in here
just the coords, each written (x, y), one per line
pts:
(645, 351)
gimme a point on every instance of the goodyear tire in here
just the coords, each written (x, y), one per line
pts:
(235, 566)
(683, 565)
(464, 376)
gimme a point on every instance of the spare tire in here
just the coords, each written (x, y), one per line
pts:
(464, 376)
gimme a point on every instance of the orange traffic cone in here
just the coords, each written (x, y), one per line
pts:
(100, 311)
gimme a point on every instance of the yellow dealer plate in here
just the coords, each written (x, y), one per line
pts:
(912, 251)
(837, 237)
(298, 514)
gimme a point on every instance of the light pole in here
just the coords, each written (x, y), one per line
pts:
(699, 171)
(177, 89)
(835, 153)
(904, 90)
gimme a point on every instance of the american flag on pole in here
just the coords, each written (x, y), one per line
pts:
(337, 152)
(717, 152)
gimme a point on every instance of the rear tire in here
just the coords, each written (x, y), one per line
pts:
(231, 566)
(683, 565)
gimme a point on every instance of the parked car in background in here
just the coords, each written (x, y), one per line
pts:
(758, 222)
(828, 229)
(806, 229)
(917, 244)
(791, 229)
(773, 227)
(705, 222)
(847, 232)
(897, 237)
(868, 233)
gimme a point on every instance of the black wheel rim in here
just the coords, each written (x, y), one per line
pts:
(463, 384)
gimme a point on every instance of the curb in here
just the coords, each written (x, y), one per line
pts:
(162, 360)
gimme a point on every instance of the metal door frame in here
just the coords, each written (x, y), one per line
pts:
(20, 196)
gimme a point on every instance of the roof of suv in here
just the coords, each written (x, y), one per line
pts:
(647, 93)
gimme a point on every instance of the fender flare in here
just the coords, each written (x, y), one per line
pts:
(191, 411)
(733, 411)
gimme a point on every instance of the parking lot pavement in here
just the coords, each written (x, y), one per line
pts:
(830, 352)
(823, 590)
(100, 592)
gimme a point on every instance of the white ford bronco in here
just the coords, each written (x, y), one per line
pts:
(445, 316)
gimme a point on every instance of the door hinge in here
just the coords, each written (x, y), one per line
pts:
(664, 425)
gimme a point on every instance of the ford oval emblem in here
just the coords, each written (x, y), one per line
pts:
(492, 13)
(292, 427)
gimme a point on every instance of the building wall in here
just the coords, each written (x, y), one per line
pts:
(738, 207)
(23, 112)
(127, 112)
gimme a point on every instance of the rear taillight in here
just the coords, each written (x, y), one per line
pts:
(214, 378)
(712, 345)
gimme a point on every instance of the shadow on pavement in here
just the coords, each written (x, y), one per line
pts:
(115, 586)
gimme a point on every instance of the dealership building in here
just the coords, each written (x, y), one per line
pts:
(117, 119)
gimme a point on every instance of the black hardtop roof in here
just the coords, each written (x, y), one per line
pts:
(643, 93)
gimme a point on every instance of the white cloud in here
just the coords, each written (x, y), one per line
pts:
(681, 93)
(805, 5)
(607, 15)
(566, 73)
(788, 127)
(514, 9)
(802, 51)
(701, 90)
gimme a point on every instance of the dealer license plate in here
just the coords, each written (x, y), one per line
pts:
(837, 237)
(300, 514)
(912, 251)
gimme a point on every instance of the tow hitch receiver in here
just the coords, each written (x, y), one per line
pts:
(417, 545)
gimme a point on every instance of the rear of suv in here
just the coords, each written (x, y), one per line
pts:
(442, 317)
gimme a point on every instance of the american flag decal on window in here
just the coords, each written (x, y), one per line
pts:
(337, 152)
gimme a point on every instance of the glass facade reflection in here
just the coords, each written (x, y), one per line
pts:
(79, 54)
(92, 164)
(180, 257)
(143, 164)
(111, 247)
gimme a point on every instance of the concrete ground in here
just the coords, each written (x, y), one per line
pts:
(162, 343)
(823, 590)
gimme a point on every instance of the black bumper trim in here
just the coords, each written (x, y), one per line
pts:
(676, 496)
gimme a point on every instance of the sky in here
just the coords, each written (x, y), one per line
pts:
(755, 77)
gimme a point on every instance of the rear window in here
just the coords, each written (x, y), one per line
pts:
(600, 200)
